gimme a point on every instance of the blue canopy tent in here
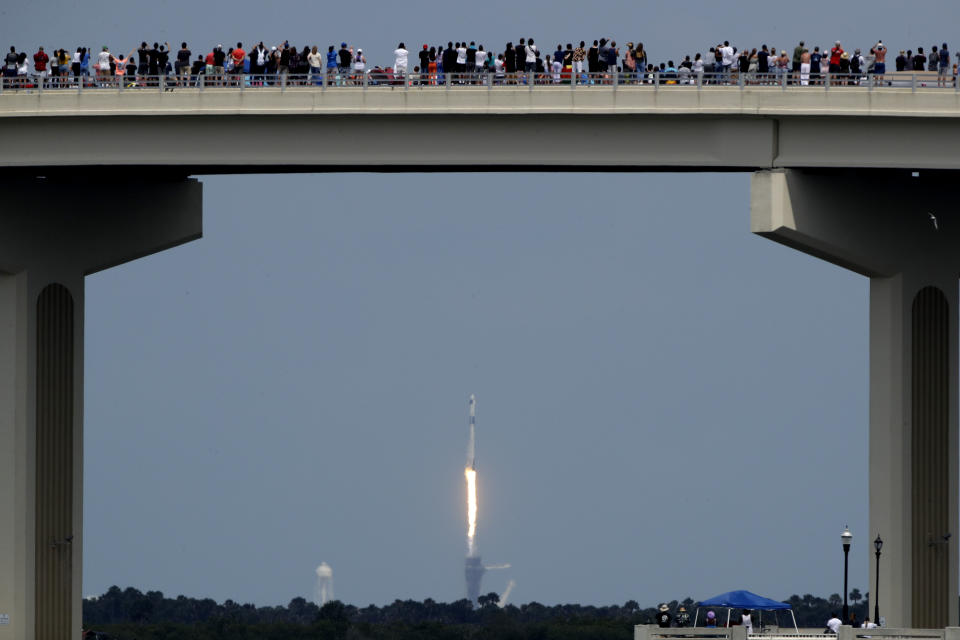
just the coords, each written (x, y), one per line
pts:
(744, 600)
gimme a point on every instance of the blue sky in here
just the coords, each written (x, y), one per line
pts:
(668, 405)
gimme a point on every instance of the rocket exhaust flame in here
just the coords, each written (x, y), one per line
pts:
(471, 476)
(470, 473)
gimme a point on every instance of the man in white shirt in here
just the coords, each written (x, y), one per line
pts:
(727, 59)
(461, 57)
(531, 56)
(481, 59)
(747, 621)
(400, 62)
(833, 624)
(103, 62)
(868, 624)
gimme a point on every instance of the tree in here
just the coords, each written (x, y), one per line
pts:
(332, 611)
(835, 600)
(489, 600)
(855, 595)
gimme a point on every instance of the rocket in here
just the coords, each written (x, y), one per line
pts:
(471, 443)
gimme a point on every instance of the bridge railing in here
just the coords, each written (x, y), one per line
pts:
(666, 79)
(653, 632)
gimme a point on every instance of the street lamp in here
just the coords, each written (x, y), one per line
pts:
(877, 544)
(846, 537)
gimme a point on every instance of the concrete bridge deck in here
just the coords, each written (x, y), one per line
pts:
(625, 128)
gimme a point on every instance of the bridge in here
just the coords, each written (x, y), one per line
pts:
(858, 176)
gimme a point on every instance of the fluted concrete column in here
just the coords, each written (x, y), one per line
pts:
(901, 232)
(52, 235)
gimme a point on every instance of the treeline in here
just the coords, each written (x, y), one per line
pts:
(130, 614)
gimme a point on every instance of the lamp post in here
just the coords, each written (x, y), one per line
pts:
(877, 544)
(846, 537)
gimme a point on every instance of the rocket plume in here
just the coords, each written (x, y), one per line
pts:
(470, 473)
(471, 476)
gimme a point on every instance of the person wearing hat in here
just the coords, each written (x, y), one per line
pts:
(836, 53)
(663, 616)
(346, 57)
(424, 55)
(880, 62)
(683, 618)
(359, 66)
(711, 619)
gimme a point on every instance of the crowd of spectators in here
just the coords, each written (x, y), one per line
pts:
(462, 62)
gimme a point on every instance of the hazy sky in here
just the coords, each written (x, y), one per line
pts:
(668, 405)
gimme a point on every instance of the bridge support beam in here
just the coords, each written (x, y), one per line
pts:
(52, 235)
(879, 224)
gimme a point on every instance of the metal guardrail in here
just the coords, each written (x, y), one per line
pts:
(653, 632)
(338, 79)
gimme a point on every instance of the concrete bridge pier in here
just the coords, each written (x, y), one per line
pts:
(52, 234)
(903, 232)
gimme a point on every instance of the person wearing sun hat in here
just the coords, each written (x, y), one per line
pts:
(663, 616)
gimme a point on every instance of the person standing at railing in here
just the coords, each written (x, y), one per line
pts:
(75, 61)
(796, 61)
(239, 56)
(283, 68)
(833, 624)
(424, 56)
(331, 63)
(856, 65)
(121, 67)
(103, 64)
(727, 58)
(919, 60)
(933, 61)
(400, 61)
(143, 60)
(345, 61)
(182, 65)
(697, 68)
(880, 63)
(481, 61)
(471, 58)
(460, 61)
(901, 61)
(836, 54)
(747, 621)
(763, 63)
(40, 60)
(315, 60)
(664, 619)
(613, 55)
(532, 54)
(359, 66)
(943, 70)
(805, 59)
(10, 64)
(783, 64)
(436, 64)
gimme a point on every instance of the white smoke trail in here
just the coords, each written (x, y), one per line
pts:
(502, 602)
(323, 593)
